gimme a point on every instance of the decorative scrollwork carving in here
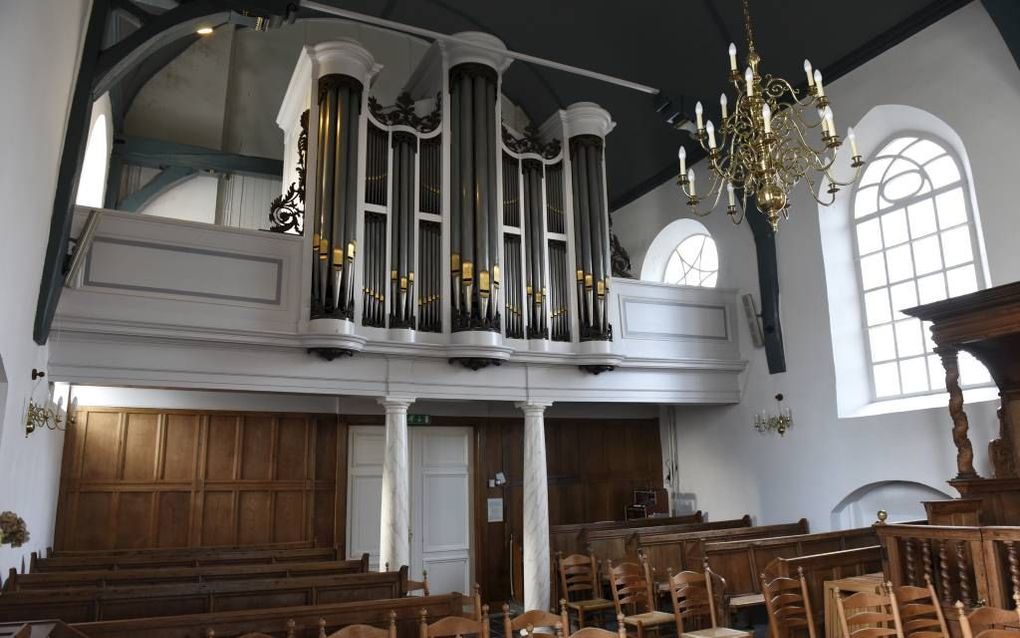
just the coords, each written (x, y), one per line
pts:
(619, 259)
(403, 113)
(287, 211)
(532, 143)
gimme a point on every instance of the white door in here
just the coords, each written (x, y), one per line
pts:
(440, 502)
(441, 507)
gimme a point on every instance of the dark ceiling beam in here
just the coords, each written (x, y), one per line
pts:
(1006, 16)
(161, 183)
(132, 12)
(141, 151)
(768, 286)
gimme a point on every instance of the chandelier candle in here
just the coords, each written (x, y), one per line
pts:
(761, 146)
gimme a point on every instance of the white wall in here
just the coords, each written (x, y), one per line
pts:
(193, 200)
(961, 71)
(39, 48)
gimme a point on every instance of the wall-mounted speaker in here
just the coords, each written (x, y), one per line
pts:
(753, 320)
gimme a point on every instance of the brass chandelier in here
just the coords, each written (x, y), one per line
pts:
(761, 147)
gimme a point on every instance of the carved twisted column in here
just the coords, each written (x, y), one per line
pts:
(964, 450)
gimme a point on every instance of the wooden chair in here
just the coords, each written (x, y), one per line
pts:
(694, 606)
(990, 622)
(869, 614)
(581, 587)
(531, 619)
(632, 589)
(454, 626)
(595, 632)
(788, 605)
(416, 585)
(361, 631)
(920, 611)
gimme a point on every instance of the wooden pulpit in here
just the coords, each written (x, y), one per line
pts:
(987, 325)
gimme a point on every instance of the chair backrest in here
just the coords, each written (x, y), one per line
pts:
(870, 615)
(920, 611)
(788, 605)
(693, 600)
(990, 622)
(579, 576)
(595, 632)
(632, 587)
(454, 626)
(529, 620)
(361, 631)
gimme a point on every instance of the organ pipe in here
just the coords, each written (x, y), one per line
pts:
(590, 236)
(403, 214)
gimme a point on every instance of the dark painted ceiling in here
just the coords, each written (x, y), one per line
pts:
(678, 47)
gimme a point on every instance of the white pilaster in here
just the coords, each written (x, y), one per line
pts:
(536, 508)
(395, 520)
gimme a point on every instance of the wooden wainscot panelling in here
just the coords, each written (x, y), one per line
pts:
(137, 478)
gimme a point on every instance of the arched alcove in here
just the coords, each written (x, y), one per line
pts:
(901, 499)
(686, 244)
(95, 165)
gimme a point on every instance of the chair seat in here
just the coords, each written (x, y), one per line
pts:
(649, 618)
(592, 604)
(747, 600)
(717, 632)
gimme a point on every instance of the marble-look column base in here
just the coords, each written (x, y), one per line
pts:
(395, 519)
(536, 508)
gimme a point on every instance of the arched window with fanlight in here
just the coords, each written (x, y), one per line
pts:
(693, 262)
(915, 243)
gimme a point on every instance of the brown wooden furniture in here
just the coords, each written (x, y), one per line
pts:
(742, 562)
(529, 620)
(580, 587)
(987, 325)
(567, 538)
(957, 511)
(163, 575)
(231, 624)
(225, 557)
(789, 606)
(867, 615)
(920, 611)
(632, 587)
(847, 571)
(165, 551)
(622, 543)
(594, 632)
(685, 550)
(415, 585)
(111, 603)
(361, 631)
(451, 626)
(694, 606)
(39, 629)
(990, 622)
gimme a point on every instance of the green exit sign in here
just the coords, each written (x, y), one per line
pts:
(418, 419)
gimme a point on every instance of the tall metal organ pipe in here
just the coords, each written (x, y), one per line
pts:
(591, 236)
(474, 259)
(334, 220)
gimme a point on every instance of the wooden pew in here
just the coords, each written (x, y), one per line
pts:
(741, 562)
(274, 621)
(240, 555)
(567, 538)
(686, 550)
(165, 575)
(113, 603)
(619, 544)
(819, 568)
(163, 551)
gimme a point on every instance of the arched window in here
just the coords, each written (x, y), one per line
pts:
(915, 243)
(682, 254)
(94, 165)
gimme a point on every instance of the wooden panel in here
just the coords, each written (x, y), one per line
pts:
(221, 449)
(102, 441)
(179, 449)
(140, 438)
(142, 478)
(257, 448)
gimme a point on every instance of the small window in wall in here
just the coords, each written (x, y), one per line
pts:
(694, 262)
(915, 243)
(92, 181)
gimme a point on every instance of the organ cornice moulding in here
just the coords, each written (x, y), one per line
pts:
(460, 52)
(345, 57)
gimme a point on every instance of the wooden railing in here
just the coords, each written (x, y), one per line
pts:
(973, 565)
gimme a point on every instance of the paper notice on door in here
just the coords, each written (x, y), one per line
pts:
(495, 510)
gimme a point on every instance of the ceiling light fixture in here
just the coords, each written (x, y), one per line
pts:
(204, 30)
(761, 148)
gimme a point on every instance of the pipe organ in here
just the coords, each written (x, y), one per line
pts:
(435, 222)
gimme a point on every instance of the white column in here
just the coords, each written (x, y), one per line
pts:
(395, 521)
(536, 508)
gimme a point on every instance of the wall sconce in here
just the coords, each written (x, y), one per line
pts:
(49, 414)
(780, 422)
